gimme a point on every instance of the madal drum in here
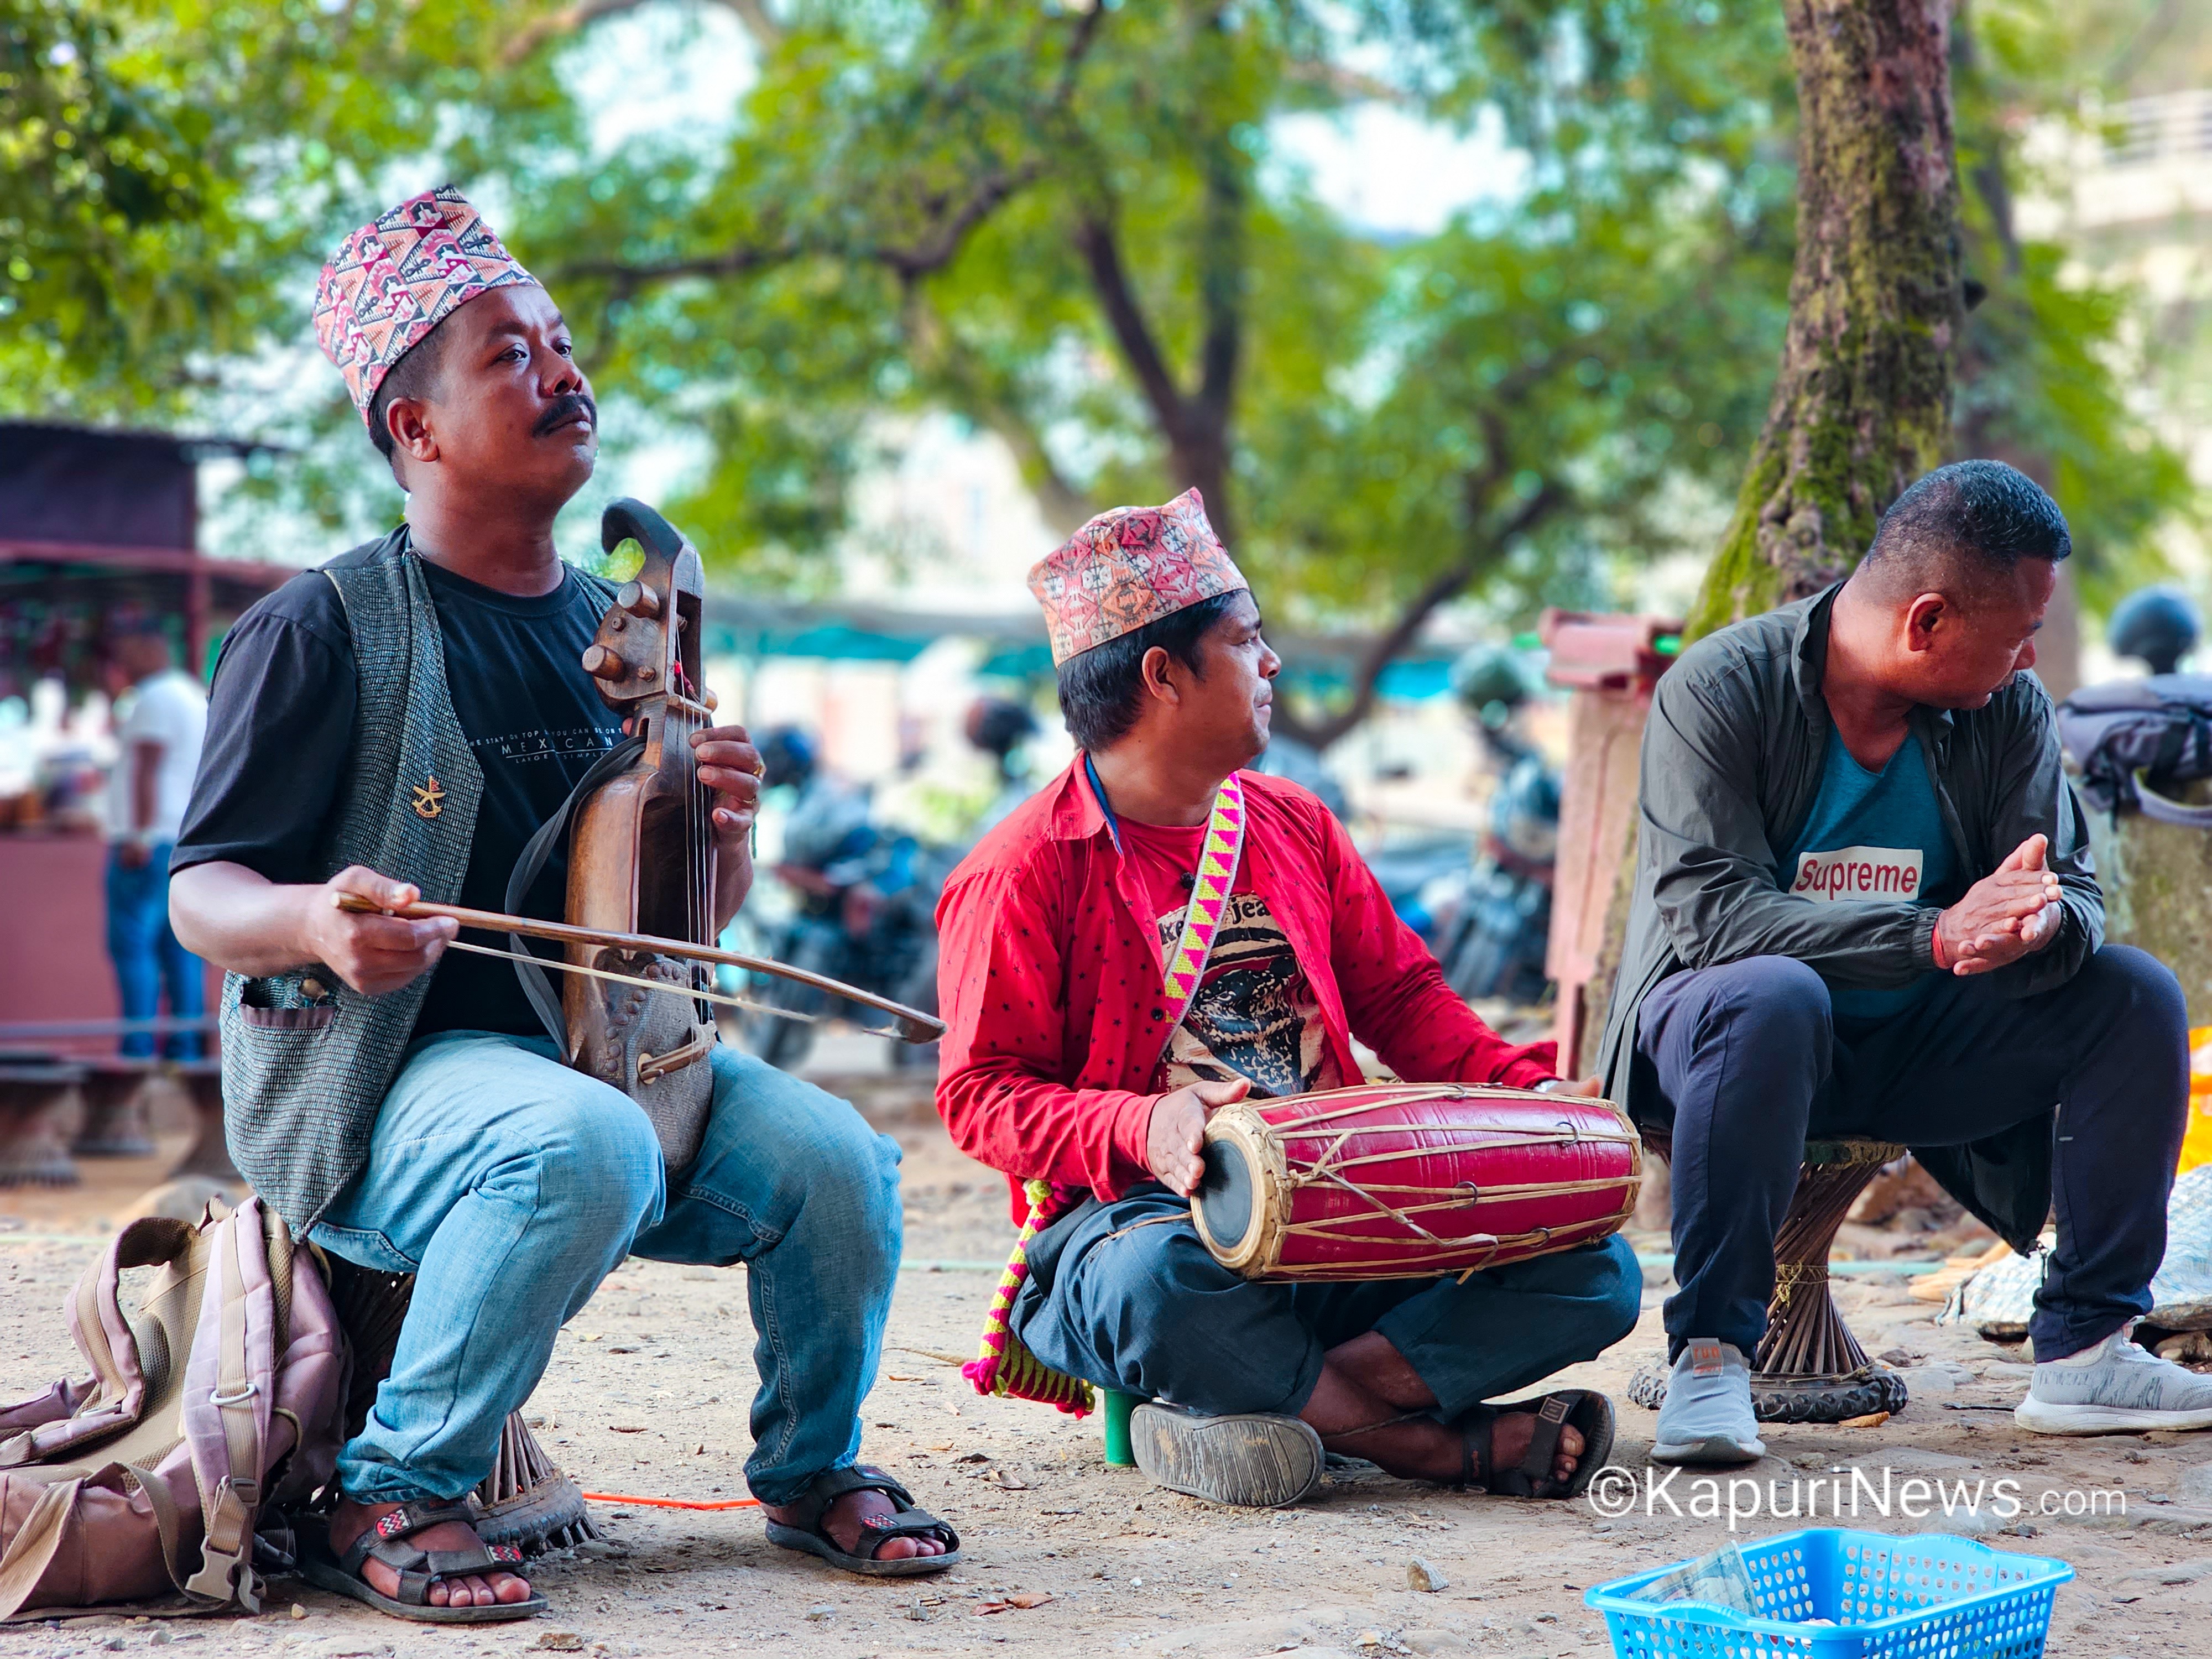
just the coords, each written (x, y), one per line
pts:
(1411, 1181)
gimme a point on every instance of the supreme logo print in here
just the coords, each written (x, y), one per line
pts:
(1859, 873)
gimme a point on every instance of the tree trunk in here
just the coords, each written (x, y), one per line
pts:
(1862, 406)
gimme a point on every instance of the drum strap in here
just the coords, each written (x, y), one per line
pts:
(1209, 903)
(1003, 1365)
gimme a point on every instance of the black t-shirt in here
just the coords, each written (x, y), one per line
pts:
(279, 740)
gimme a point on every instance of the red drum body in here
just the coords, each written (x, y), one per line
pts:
(1408, 1181)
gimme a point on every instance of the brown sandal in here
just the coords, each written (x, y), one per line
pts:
(418, 1569)
(1584, 1409)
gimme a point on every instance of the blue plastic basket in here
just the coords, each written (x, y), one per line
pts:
(1926, 1596)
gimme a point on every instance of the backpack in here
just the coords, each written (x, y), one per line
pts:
(2134, 740)
(213, 1404)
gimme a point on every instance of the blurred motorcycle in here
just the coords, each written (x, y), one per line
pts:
(863, 911)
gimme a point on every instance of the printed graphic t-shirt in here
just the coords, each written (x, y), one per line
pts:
(1254, 1016)
(1873, 837)
(280, 736)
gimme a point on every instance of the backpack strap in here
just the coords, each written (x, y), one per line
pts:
(228, 1382)
(71, 1415)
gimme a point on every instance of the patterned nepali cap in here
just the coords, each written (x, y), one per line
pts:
(1127, 568)
(394, 280)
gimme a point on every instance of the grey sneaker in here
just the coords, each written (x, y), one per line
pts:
(1707, 1418)
(2114, 1388)
(1254, 1460)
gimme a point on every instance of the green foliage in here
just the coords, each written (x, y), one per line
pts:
(1076, 230)
(2048, 363)
(171, 171)
(1074, 226)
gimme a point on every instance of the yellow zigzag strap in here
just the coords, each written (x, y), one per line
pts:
(1003, 1365)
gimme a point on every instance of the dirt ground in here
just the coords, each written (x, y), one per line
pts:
(647, 1395)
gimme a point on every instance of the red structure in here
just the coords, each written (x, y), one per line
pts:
(91, 523)
(1611, 664)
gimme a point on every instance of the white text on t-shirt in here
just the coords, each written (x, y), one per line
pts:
(1859, 873)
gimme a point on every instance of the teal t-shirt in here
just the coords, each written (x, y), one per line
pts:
(1873, 837)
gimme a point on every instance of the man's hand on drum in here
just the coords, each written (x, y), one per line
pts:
(1175, 1141)
(2009, 912)
(374, 953)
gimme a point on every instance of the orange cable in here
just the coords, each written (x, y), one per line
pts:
(673, 1502)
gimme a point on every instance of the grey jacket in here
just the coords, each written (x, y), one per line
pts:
(307, 1058)
(1731, 763)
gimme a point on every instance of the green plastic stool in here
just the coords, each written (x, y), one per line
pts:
(1118, 1407)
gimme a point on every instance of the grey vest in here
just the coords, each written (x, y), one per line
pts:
(307, 1058)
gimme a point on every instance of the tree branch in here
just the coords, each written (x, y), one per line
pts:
(1109, 281)
(1445, 585)
(584, 12)
(936, 248)
(938, 351)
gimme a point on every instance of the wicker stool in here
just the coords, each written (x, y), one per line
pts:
(1810, 1367)
(526, 1500)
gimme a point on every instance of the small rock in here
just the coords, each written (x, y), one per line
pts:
(299, 1612)
(561, 1641)
(818, 1614)
(1423, 1575)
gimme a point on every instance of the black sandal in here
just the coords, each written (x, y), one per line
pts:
(806, 1532)
(418, 1569)
(1584, 1409)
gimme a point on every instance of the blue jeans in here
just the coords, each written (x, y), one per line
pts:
(146, 956)
(510, 1185)
(1124, 1295)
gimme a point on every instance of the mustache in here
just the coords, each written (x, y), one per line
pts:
(569, 404)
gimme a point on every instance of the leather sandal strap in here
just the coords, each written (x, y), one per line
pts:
(908, 1523)
(401, 1523)
(827, 1488)
(1552, 1414)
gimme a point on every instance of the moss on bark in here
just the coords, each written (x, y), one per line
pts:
(1861, 404)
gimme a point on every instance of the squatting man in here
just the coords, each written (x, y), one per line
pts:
(1864, 906)
(400, 722)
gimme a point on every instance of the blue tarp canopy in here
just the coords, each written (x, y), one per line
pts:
(1014, 646)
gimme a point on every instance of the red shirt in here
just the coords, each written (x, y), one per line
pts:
(1049, 980)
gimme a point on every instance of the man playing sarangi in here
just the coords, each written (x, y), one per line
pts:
(404, 1107)
(1062, 1064)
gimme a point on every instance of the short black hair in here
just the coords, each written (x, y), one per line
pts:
(415, 375)
(1989, 514)
(1100, 688)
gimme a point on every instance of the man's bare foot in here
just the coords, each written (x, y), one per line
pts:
(348, 1520)
(845, 1520)
(1511, 1432)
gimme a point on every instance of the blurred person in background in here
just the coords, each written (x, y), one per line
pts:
(160, 721)
(1496, 944)
(1002, 729)
(2158, 626)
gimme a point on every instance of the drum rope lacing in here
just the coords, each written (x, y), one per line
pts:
(1388, 1201)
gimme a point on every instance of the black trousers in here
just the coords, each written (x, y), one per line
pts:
(1749, 1061)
